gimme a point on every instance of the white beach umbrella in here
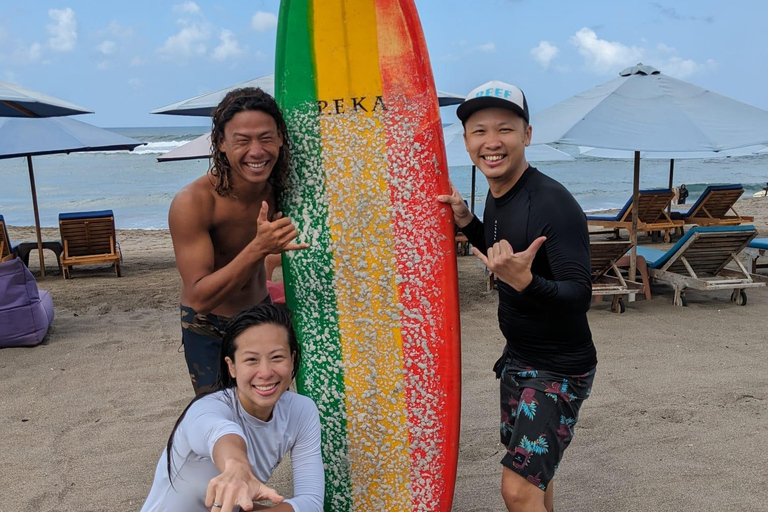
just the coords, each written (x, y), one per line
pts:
(671, 155)
(205, 104)
(192, 150)
(18, 101)
(645, 110)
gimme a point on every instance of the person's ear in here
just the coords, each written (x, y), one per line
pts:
(528, 135)
(231, 365)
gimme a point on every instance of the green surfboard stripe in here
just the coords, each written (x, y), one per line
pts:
(309, 275)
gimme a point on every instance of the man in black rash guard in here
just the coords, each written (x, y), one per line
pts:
(534, 239)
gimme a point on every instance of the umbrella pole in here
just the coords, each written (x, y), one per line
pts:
(671, 173)
(37, 216)
(472, 205)
(633, 233)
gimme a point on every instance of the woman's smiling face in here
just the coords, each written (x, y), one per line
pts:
(262, 367)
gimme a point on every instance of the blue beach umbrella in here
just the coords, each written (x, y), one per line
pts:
(27, 137)
(645, 110)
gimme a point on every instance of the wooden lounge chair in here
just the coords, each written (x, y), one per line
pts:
(606, 276)
(88, 238)
(7, 250)
(712, 207)
(755, 250)
(651, 214)
(698, 261)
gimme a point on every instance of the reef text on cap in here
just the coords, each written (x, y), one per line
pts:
(494, 94)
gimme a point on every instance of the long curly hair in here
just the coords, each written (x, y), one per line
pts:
(241, 100)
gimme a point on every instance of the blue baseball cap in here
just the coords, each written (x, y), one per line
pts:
(494, 94)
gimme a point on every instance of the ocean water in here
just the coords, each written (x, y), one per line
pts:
(139, 189)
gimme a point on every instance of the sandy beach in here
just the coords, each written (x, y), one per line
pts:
(678, 418)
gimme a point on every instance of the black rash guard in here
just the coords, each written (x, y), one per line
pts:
(546, 324)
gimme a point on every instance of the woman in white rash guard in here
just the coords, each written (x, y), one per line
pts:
(226, 443)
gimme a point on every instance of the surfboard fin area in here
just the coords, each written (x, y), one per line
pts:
(375, 297)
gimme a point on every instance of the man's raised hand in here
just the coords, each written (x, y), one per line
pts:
(276, 236)
(511, 267)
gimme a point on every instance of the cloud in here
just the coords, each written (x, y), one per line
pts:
(63, 31)
(138, 61)
(263, 21)
(670, 63)
(604, 57)
(114, 29)
(191, 40)
(229, 47)
(135, 83)
(106, 47)
(24, 54)
(486, 48)
(544, 53)
(672, 14)
(489, 47)
(187, 7)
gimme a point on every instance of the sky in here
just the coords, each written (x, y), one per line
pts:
(123, 59)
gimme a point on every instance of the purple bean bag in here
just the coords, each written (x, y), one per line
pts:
(26, 313)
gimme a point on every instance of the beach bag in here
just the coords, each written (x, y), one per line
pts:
(26, 313)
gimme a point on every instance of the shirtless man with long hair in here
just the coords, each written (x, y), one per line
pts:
(225, 224)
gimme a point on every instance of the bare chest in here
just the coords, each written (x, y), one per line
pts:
(232, 230)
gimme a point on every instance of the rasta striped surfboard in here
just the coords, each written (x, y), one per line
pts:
(375, 297)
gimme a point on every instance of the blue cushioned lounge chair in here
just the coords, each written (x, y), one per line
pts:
(698, 261)
(756, 249)
(651, 214)
(712, 207)
(88, 238)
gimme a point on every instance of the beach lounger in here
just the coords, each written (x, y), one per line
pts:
(712, 207)
(7, 250)
(88, 238)
(606, 275)
(651, 214)
(755, 250)
(698, 261)
(22, 249)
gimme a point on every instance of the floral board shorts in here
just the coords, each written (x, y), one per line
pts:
(539, 410)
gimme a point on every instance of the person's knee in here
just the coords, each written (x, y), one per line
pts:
(519, 494)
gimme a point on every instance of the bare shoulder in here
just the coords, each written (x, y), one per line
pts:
(194, 201)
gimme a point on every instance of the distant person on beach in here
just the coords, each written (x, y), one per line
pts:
(682, 194)
(534, 239)
(229, 439)
(225, 224)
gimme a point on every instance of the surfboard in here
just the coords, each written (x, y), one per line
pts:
(375, 297)
(761, 193)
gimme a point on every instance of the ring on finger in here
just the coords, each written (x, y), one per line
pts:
(216, 505)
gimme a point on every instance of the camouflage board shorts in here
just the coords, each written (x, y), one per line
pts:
(201, 336)
(539, 410)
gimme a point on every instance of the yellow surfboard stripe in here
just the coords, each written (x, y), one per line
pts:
(355, 154)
